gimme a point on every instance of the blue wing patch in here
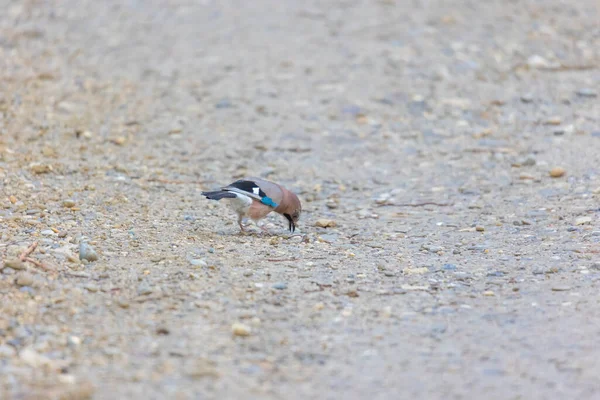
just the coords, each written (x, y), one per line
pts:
(268, 201)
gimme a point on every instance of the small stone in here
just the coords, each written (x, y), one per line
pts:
(431, 248)
(12, 199)
(39, 169)
(489, 293)
(248, 273)
(162, 330)
(239, 329)
(48, 232)
(545, 270)
(73, 341)
(561, 288)
(325, 223)
(327, 238)
(528, 161)
(15, 264)
(68, 203)
(479, 228)
(87, 252)
(33, 358)
(416, 271)
(583, 221)
(24, 279)
(90, 287)
(586, 92)
(199, 263)
(198, 368)
(449, 267)
(557, 172)
(144, 289)
(526, 177)
(7, 351)
(119, 140)
(280, 286)
(383, 199)
(527, 98)
(224, 103)
(537, 61)
(123, 303)
(555, 120)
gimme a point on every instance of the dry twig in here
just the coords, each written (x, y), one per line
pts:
(28, 251)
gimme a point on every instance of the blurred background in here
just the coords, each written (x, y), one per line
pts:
(452, 145)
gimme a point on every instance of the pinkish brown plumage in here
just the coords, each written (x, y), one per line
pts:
(255, 198)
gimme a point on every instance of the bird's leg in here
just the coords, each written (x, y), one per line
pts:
(243, 231)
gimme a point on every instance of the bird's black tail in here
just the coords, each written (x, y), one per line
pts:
(219, 194)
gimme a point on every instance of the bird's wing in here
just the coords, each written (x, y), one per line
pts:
(256, 189)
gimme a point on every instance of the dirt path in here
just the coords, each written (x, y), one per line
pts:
(427, 131)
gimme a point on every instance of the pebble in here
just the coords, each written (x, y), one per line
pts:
(68, 203)
(144, 288)
(449, 267)
(479, 228)
(73, 341)
(328, 238)
(432, 249)
(583, 221)
(561, 288)
(557, 172)
(201, 368)
(33, 358)
(90, 287)
(239, 329)
(48, 232)
(586, 92)
(325, 223)
(27, 289)
(7, 351)
(280, 286)
(199, 263)
(87, 252)
(123, 303)
(416, 271)
(24, 279)
(39, 169)
(489, 293)
(15, 264)
(248, 273)
(555, 120)
(545, 270)
(527, 98)
(537, 61)
(224, 103)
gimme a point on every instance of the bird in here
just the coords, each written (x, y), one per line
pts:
(255, 198)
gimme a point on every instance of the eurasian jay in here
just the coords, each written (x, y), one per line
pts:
(256, 198)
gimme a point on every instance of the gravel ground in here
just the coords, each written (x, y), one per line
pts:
(452, 148)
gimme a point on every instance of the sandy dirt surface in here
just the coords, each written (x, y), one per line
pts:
(453, 145)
